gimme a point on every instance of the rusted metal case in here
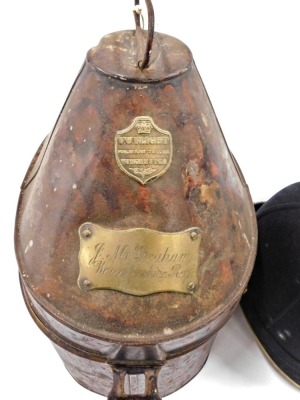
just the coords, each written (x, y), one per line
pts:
(113, 341)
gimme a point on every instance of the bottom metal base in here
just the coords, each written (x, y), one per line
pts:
(174, 374)
(147, 381)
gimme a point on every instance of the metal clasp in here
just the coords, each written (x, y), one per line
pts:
(148, 387)
(139, 365)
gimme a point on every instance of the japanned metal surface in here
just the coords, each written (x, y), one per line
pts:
(75, 179)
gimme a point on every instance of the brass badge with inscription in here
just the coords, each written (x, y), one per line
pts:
(138, 261)
(143, 150)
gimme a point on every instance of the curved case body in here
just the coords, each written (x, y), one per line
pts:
(136, 153)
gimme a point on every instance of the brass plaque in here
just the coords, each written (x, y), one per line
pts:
(143, 150)
(138, 261)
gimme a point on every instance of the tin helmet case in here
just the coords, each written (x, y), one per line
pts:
(135, 231)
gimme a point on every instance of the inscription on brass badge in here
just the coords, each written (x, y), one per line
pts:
(138, 261)
(143, 150)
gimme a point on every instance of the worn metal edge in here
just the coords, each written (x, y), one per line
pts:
(80, 351)
(129, 79)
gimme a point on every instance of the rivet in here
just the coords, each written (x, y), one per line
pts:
(86, 233)
(191, 287)
(86, 283)
(194, 235)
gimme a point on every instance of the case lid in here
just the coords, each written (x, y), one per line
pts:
(136, 225)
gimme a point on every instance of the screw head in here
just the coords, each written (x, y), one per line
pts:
(86, 233)
(191, 287)
(194, 235)
(86, 283)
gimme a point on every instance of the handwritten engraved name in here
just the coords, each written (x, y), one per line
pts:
(163, 265)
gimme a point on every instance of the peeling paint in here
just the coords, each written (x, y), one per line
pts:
(204, 119)
(30, 244)
(168, 331)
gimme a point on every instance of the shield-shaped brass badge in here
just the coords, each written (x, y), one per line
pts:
(143, 150)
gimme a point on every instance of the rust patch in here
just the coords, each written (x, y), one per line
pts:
(226, 273)
(214, 169)
(209, 194)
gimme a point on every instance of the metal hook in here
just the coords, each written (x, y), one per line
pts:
(144, 63)
(138, 13)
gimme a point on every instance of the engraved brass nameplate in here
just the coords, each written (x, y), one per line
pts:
(143, 150)
(138, 261)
